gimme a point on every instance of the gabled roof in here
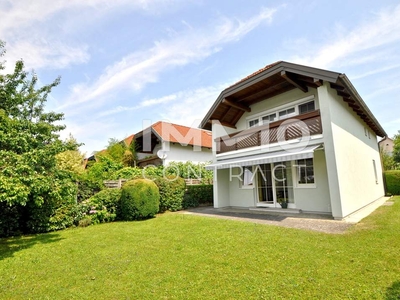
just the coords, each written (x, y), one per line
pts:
(278, 78)
(174, 133)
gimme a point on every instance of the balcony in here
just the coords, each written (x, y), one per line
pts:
(279, 131)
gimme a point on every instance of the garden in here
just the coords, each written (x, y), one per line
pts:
(179, 256)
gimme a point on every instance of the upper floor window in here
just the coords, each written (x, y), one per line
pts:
(269, 118)
(253, 123)
(286, 113)
(281, 114)
(306, 107)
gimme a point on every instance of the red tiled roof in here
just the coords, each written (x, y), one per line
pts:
(128, 140)
(182, 134)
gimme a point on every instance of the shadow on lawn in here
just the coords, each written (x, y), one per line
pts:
(8, 246)
(393, 292)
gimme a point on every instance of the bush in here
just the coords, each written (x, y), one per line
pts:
(172, 190)
(87, 188)
(103, 206)
(127, 173)
(189, 201)
(203, 193)
(66, 216)
(392, 182)
(140, 199)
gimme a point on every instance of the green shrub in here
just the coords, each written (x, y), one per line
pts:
(392, 181)
(202, 193)
(87, 188)
(66, 216)
(189, 201)
(127, 173)
(103, 206)
(172, 190)
(189, 170)
(140, 199)
(86, 221)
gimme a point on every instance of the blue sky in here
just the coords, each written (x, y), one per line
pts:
(124, 62)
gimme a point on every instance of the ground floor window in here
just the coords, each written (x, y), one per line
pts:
(305, 171)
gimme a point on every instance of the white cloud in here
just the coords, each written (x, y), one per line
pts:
(383, 29)
(30, 32)
(191, 45)
(145, 103)
(191, 106)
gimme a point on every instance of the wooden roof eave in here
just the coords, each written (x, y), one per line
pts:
(316, 74)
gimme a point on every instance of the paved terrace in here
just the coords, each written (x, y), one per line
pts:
(289, 218)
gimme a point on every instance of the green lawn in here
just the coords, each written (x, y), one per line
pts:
(176, 256)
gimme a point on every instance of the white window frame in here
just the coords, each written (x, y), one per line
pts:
(297, 175)
(375, 171)
(277, 109)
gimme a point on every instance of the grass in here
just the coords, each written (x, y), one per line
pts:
(176, 256)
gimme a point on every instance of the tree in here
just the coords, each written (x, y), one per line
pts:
(396, 148)
(387, 160)
(29, 143)
(120, 152)
(71, 160)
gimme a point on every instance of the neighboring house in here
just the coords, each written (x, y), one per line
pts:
(295, 133)
(386, 145)
(164, 142)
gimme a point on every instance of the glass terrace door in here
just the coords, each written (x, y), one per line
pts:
(274, 184)
(265, 184)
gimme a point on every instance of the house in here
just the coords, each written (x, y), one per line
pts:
(298, 134)
(164, 142)
(386, 145)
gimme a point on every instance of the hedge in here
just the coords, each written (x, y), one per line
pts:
(392, 182)
(198, 194)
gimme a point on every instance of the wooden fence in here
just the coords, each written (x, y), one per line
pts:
(118, 183)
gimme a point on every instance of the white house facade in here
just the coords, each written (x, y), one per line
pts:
(163, 143)
(296, 134)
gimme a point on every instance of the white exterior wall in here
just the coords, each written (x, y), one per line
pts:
(221, 188)
(180, 153)
(240, 197)
(315, 199)
(349, 155)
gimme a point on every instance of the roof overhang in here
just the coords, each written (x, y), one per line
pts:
(279, 78)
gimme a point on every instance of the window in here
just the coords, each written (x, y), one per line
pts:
(375, 172)
(286, 113)
(253, 123)
(268, 119)
(306, 107)
(298, 107)
(305, 171)
(247, 178)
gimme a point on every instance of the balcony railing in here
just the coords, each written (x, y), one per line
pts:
(279, 131)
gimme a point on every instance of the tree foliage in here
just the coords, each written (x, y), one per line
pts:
(396, 148)
(29, 143)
